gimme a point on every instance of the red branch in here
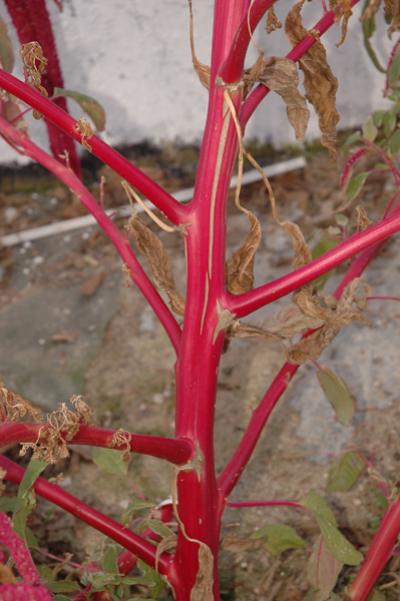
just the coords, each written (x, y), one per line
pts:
(155, 193)
(297, 52)
(32, 22)
(120, 243)
(378, 554)
(173, 450)
(283, 503)
(120, 534)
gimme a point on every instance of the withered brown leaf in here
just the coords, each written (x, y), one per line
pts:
(240, 267)
(151, 247)
(281, 76)
(273, 22)
(319, 82)
(343, 12)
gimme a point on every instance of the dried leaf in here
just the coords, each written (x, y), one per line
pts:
(13, 407)
(6, 575)
(6, 49)
(203, 71)
(280, 75)
(319, 82)
(345, 472)
(203, 587)
(338, 394)
(90, 285)
(343, 12)
(273, 23)
(84, 128)
(240, 267)
(392, 14)
(91, 106)
(153, 249)
(322, 570)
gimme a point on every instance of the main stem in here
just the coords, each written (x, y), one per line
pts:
(199, 503)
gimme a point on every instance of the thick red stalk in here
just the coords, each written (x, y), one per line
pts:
(32, 22)
(117, 532)
(155, 193)
(378, 554)
(173, 450)
(120, 243)
(232, 69)
(259, 93)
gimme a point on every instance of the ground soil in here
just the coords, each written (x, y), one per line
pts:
(73, 324)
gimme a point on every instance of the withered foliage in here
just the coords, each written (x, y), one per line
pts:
(343, 12)
(151, 247)
(272, 23)
(240, 267)
(280, 75)
(84, 128)
(122, 438)
(60, 427)
(203, 587)
(391, 9)
(334, 314)
(319, 82)
(2, 477)
(14, 408)
(35, 64)
(362, 219)
(202, 70)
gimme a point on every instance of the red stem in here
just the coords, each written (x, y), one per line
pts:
(123, 536)
(297, 52)
(244, 304)
(232, 68)
(378, 554)
(32, 22)
(173, 450)
(157, 195)
(120, 243)
(242, 504)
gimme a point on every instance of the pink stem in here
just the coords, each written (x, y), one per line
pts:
(232, 68)
(157, 195)
(244, 304)
(121, 245)
(242, 504)
(125, 537)
(378, 554)
(384, 298)
(173, 450)
(297, 52)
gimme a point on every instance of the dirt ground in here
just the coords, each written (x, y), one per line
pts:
(72, 324)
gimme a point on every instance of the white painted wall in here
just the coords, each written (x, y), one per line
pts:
(134, 57)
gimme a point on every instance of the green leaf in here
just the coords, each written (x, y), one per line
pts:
(338, 394)
(377, 117)
(321, 247)
(345, 472)
(394, 69)
(341, 220)
(377, 596)
(110, 461)
(279, 538)
(369, 130)
(322, 570)
(135, 506)
(110, 559)
(394, 142)
(158, 527)
(389, 122)
(26, 500)
(63, 586)
(368, 28)
(6, 49)
(355, 184)
(335, 542)
(319, 507)
(152, 579)
(7, 503)
(61, 598)
(91, 106)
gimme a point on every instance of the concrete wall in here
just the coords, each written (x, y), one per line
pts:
(134, 58)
